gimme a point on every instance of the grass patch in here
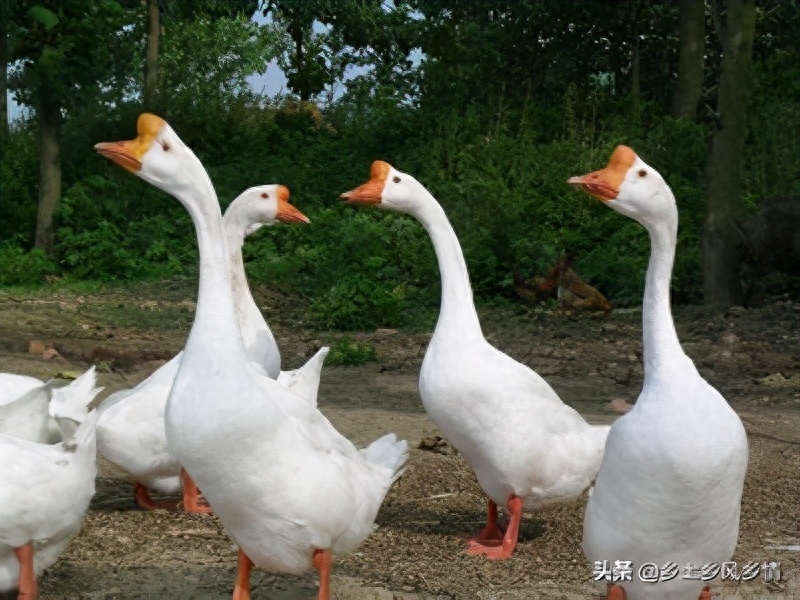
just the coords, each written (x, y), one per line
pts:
(351, 352)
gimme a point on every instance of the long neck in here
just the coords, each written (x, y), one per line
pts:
(215, 316)
(235, 236)
(662, 350)
(255, 331)
(457, 307)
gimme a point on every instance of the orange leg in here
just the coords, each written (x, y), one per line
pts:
(144, 500)
(509, 539)
(28, 589)
(492, 534)
(322, 563)
(192, 502)
(705, 594)
(241, 591)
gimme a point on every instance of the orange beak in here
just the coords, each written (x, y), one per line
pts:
(286, 212)
(123, 153)
(604, 184)
(128, 154)
(370, 192)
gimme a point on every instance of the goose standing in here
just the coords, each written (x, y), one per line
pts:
(670, 485)
(130, 428)
(526, 446)
(45, 490)
(285, 484)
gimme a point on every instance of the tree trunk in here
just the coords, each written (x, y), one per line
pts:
(636, 86)
(691, 50)
(48, 114)
(636, 73)
(151, 59)
(3, 69)
(721, 245)
(296, 33)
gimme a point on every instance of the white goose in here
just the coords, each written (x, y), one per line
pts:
(670, 485)
(130, 429)
(45, 491)
(25, 405)
(25, 415)
(284, 483)
(525, 445)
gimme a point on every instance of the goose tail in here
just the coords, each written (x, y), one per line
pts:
(305, 381)
(72, 401)
(388, 452)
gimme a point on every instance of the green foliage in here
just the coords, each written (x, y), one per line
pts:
(205, 62)
(356, 33)
(96, 241)
(69, 52)
(46, 18)
(351, 352)
(359, 302)
(22, 267)
(501, 111)
(19, 168)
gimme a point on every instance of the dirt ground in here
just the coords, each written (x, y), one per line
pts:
(416, 551)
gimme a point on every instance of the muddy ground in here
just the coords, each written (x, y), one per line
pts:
(416, 552)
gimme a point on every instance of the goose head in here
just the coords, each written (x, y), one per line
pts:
(262, 205)
(631, 187)
(389, 188)
(156, 155)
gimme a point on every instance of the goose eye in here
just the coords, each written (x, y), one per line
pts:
(396, 179)
(165, 146)
(264, 195)
(642, 172)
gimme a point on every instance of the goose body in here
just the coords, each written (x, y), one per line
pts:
(670, 485)
(316, 492)
(130, 430)
(12, 386)
(45, 491)
(285, 484)
(513, 430)
(526, 446)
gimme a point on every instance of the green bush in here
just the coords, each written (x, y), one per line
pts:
(359, 302)
(22, 267)
(351, 352)
(95, 242)
(498, 168)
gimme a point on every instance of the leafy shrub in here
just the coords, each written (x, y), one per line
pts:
(24, 268)
(351, 352)
(97, 253)
(498, 167)
(617, 266)
(19, 170)
(359, 302)
(94, 242)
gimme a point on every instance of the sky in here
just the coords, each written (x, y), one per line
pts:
(270, 82)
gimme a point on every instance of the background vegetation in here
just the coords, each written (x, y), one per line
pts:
(492, 106)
